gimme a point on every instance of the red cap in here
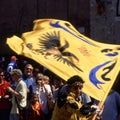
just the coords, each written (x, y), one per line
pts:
(13, 58)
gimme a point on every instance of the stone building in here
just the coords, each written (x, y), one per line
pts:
(105, 21)
(17, 16)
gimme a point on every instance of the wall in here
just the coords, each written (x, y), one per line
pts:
(105, 27)
(17, 16)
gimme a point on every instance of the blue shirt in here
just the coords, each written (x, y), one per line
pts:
(111, 107)
(11, 66)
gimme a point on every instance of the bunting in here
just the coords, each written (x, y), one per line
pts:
(58, 46)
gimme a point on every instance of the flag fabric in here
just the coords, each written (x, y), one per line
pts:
(58, 46)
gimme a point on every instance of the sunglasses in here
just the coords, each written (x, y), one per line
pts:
(28, 68)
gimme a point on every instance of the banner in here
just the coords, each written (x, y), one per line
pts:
(58, 46)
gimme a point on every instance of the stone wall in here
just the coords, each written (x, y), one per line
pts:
(105, 25)
(17, 16)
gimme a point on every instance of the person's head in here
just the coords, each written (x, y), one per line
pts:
(39, 80)
(2, 76)
(46, 79)
(75, 85)
(28, 70)
(35, 98)
(16, 74)
(58, 81)
(39, 75)
(13, 58)
(36, 71)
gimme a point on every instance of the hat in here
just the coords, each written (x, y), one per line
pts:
(13, 58)
(16, 72)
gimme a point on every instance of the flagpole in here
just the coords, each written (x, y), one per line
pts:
(101, 106)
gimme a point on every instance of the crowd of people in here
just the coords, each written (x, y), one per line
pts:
(29, 93)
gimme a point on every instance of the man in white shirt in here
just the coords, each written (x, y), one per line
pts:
(19, 95)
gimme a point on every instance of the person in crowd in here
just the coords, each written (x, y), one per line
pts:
(5, 103)
(35, 112)
(36, 70)
(11, 65)
(44, 91)
(111, 109)
(28, 79)
(56, 88)
(46, 79)
(58, 84)
(19, 95)
(67, 106)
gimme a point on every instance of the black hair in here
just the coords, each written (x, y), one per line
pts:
(74, 79)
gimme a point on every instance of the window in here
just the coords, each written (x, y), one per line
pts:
(118, 7)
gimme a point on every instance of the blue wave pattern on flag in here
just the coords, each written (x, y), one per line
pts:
(93, 77)
(112, 54)
(57, 25)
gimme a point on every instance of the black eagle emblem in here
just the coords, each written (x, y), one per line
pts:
(49, 44)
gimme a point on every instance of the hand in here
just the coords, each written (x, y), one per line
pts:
(97, 109)
(42, 84)
(6, 97)
(94, 106)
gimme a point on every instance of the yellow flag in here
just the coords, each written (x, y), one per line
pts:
(58, 46)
